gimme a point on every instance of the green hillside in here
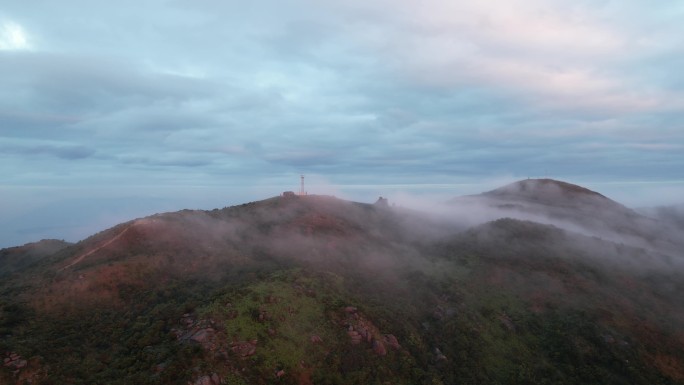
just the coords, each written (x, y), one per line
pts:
(318, 290)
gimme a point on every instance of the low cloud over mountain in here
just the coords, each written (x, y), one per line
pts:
(534, 281)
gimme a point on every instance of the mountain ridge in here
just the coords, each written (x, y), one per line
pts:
(548, 192)
(546, 189)
(315, 289)
(575, 208)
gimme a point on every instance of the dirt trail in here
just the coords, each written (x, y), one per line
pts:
(109, 242)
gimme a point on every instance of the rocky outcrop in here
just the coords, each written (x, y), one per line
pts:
(209, 379)
(14, 362)
(355, 336)
(25, 371)
(379, 348)
(350, 310)
(315, 339)
(362, 331)
(391, 341)
(202, 332)
(507, 322)
(244, 348)
(439, 356)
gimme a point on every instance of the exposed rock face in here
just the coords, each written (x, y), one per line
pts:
(507, 322)
(198, 331)
(14, 361)
(186, 320)
(202, 332)
(25, 371)
(361, 330)
(212, 379)
(379, 348)
(355, 337)
(203, 336)
(316, 339)
(391, 341)
(244, 348)
(439, 355)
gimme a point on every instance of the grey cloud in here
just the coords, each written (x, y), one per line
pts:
(85, 84)
(172, 160)
(67, 152)
(379, 92)
(299, 158)
(154, 121)
(33, 124)
(71, 153)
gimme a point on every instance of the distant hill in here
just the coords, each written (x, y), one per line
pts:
(318, 290)
(14, 259)
(551, 192)
(564, 198)
(577, 209)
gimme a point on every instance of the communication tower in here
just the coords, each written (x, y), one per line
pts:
(301, 188)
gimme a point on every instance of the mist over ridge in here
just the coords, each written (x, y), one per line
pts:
(463, 290)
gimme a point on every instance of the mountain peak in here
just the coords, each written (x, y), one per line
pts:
(541, 185)
(549, 191)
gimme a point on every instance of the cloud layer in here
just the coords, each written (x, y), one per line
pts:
(224, 95)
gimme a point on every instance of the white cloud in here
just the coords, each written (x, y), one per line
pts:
(13, 36)
(557, 55)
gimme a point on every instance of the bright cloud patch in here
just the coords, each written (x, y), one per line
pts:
(12, 36)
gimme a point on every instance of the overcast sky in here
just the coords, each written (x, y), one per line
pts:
(113, 110)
